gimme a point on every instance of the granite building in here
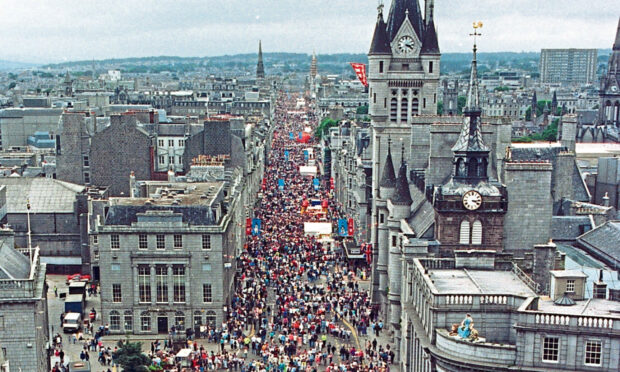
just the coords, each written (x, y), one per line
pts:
(569, 66)
(609, 107)
(24, 332)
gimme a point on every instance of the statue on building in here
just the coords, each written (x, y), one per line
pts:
(465, 330)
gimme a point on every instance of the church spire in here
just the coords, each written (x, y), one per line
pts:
(471, 155)
(380, 43)
(313, 65)
(260, 67)
(401, 10)
(617, 42)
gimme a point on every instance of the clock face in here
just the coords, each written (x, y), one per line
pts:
(472, 200)
(614, 88)
(406, 44)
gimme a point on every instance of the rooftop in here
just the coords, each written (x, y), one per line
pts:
(457, 281)
(46, 195)
(174, 193)
(591, 307)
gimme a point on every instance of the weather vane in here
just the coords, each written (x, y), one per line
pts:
(477, 25)
(380, 7)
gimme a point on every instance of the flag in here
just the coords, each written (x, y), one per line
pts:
(360, 71)
(281, 184)
(315, 183)
(286, 155)
(343, 229)
(248, 226)
(256, 226)
(351, 226)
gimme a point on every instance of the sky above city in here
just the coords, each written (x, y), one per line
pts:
(67, 30)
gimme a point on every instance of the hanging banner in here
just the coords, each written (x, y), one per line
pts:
(343, 229)
(351, 226)
(281, 184)
(286, 155)
(331, 183)
(315, 183)
(306, 155)
(256, 226)
(367, 250)
(360, 71)
(248, 226)
(291, 136)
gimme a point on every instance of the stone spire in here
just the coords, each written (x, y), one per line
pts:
(313, 66)
(554, 103)
(400, 10)
(380, 43)
(260, 67)
(388, 178)
(471, 155)
(403, 194)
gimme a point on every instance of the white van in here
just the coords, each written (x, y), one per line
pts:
(72, 322)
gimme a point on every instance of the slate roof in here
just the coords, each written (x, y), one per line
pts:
(397, 15)
(127, 214)
(13, 264)
(568, 228)
(402, 196)
(46, 195)
(603, 243)
(430, 44)
(388, 178)
(422, 215)
(380, 43)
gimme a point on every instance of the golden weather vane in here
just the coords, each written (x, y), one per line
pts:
(477, 25)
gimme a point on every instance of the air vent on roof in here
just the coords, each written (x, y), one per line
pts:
(564, 300)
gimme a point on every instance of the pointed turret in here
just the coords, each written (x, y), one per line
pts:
(313, 66)
(471, 155)
(67, 77)
(430, 45)
(260, 67)
(380, 43)
(401, 9)
(388, 178)
(617, 42)
(402, 196)
(554, 104)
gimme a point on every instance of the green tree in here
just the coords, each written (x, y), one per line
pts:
(12, 85)
(440, 108)
(362, 110)
(501, 89)
(131, 358)
(461, 102)
(322, 129)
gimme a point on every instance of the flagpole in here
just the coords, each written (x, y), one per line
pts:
(29, 232)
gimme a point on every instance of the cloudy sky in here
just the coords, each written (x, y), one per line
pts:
(58, 30)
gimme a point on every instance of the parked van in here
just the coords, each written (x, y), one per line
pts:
(72, 322)
(79, 366)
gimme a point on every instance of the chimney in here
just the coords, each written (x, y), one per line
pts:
(132, 185)
(606, 200)
(599, 287)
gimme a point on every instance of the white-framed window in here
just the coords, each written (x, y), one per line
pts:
(161, 281)
(161, 241)
(593, 351)
(211, 318)
(85, 160)
(171, 159)
(170, 143)
(178, 241)
(181, 143)
(115, 267)
(570, 285)
(115, 241)
(115, 320)
(178, 278)
(476, 233)
(551, 349)
(206, 242)
(464, 233)
(207, 293)
(179, 319)
(162, 159)
(160, 143)
(145, 321)
(95, 239)
(206, 267)
(86, 177)
(116, 293)
(143, 241)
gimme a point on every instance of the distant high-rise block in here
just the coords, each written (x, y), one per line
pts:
(569, 66)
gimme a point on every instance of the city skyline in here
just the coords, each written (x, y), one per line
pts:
(70, 30)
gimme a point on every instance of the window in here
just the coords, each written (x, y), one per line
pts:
(211, 318)
(570, 285)
(1, 322)
(207, 293)
(171, 142)
(551, 349)
(414, 106)
(171, 159)
(179, 318)
(430, 67)
(116, 293)
(128, 321)
(206, 242)
(115, 267)
(380, 67)
(144, 283)
(145, 321)
(593, 353)
(162, 159)
(86, 177)
(178, 241)
(160, 143)
(161, 280)
(393, 240)
(115, 320)
(143, 241)
(381, 218)
(464, 235)
(95, 239)
(206, 267)
(393, 110)
(161, 241)
(115, 242)
(197, 317)
(385, 103)
(178, 277)
(404, 106)
(476, 233)
(374, 98)
(181, 143)
(85, 161)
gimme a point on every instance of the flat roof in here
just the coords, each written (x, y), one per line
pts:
(593, 307)
(568, 274)
(458, 281)
(174, 193)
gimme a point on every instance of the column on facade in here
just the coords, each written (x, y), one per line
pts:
(136, 288)
(153, 283)
(410, 97)
(170, 283)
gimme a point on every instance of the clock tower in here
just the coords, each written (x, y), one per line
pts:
(469, 208)
(609, 107)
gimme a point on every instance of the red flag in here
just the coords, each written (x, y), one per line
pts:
(360, 71)
(350, 226)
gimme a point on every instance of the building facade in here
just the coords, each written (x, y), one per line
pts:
(568, 66)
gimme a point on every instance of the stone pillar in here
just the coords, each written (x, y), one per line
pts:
(188, 288)
(153, 284)
(136, 288)
(170, 286)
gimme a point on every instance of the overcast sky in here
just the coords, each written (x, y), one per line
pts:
(58, 30)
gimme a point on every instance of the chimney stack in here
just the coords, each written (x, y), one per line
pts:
(171, 175)
(599, 287)
(606, 200)
(132, 185)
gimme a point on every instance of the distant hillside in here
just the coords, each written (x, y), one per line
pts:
(12, 65)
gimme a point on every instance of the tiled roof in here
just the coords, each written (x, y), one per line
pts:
(46, 195)
(603, 242)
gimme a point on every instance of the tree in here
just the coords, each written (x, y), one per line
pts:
(440, 108)
(324, 127)
(131, 358)
(362, 110)
(461, 102)
(501, 89)
(12, 85)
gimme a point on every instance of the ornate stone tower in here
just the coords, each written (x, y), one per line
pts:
(609, 108)
(450, 97)
(470, 208)
(403, 77)
(260, 67)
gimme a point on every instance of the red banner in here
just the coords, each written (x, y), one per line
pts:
(360, 71)
(248, 226)
(350, 226)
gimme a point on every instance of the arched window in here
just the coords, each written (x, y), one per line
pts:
(145, 321)
(464, 235)
(414, 107)
(211, 318)
(197, 317)
(115, 320)
(473, 168)
(404, 107)
(484, 165)
(393, 110)
(128, 320)
(460, 168)
(179, 318)
(476, 233)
